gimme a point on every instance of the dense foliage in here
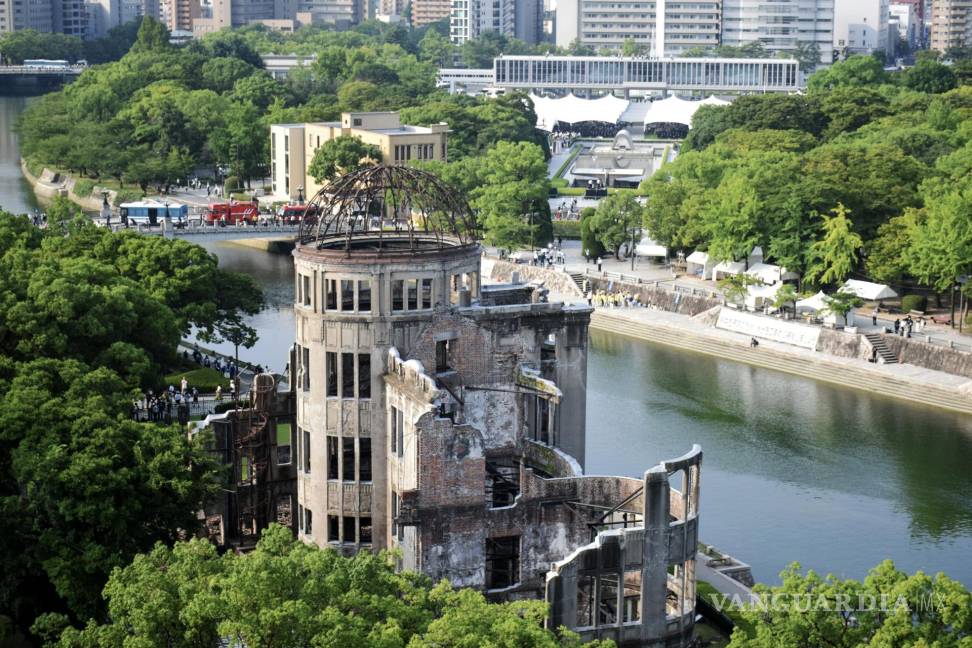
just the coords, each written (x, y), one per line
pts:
(88, 317)
(16, 46)
(341, 155)
(864, 174)
(887, 608)
(287, 593)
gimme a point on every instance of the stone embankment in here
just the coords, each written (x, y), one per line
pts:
(49, 185)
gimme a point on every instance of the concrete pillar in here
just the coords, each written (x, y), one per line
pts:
(571, 378)
(654, 571)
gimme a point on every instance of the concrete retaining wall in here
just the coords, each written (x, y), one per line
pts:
(667, 300)
(50, 185)
(922, 354)
(556, 280)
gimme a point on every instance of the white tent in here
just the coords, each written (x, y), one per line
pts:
(677, 111)
(698, 263)
(867, 290)
(727, 268)
(574, 110)
(812, 304)
(648, 248)
(757, 296)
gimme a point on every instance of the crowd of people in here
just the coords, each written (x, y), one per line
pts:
(567, 210)
(159, 407)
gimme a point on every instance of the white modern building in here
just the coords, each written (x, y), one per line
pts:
(658, 27)
(861, 27)
(784, 26)
(521, 19)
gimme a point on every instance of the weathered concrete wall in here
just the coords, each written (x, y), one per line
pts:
(50, 185)
(919, 353)
(843, 345)
(556, 280)
(667, 300)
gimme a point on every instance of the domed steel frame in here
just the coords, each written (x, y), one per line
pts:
(388, 209)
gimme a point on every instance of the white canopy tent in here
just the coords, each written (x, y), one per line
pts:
(757, 296)
(813, 304)
(648, 248)
(727, 268)
(698, 263)
(867, 290)
(574, 110)
(678, 111)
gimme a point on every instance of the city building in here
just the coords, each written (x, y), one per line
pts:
(292, 146)
(180, 14)
(71, 18)
(951, 24)
(281, 15)
(429, 11)
(445, 418)
(633, 75)
(257, 441)
(16, 15)
(861, 27)
(783, 26)
(905, 24)
(522, 19)
(659, 28)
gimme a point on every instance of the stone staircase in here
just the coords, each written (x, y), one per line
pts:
(578, 278)
(885, 354)
(820, 369)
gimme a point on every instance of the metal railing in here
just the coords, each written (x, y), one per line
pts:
(671, 285)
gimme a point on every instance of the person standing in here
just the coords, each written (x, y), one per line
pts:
(219, 393)
(599, 261)
(874, 315)
(183, 386)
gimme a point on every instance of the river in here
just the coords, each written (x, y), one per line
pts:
(794, 470)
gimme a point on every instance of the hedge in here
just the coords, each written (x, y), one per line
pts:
(571, 191)
(567, 229)
(914, 303)
(127, 195)
(83, 187)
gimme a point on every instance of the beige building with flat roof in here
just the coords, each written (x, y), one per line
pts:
(292, 146)
(951, 24)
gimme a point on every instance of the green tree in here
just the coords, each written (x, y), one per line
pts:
(617, 220)
(152, 36)
(341, 155)
(841, 303)
(834, 257)
(222, 72)
(736, 287)
(941, 235)
(787, 294)
(854, 71)
(591, 247)
(895, 611)
(931, 77)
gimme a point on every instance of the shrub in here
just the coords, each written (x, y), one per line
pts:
(127, 195)
(571, 191)
(83, 187)
(231, 184)
(914, 303)
(35, 166)
(567, 229)
(589, 240)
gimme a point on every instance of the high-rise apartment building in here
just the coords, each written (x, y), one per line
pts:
(180, 14)
(26, 14)
(782, 25)
(661, 27)
(71, 17)
(861, 27)
(277, 14)
(429, 11)
(951, 24)
(522, 19)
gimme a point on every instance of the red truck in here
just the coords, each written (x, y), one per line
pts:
(294, 214)
(232, 213)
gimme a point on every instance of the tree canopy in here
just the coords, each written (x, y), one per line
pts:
(341, 155)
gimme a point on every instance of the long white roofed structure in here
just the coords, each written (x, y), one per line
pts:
(673, 110)
(574, 110)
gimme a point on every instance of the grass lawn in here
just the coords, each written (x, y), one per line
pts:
(204, 379)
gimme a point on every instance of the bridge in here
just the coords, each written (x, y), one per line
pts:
(17, 79)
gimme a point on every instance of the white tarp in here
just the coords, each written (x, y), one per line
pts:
(766, 272)
(648, 248)
(574, 110)
(698, 258)
(728, 268)
(756, 296)
(677, 111)
(867, 290)
(812, 304)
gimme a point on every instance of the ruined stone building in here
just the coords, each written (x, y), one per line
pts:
(256, 442)
(445, 418)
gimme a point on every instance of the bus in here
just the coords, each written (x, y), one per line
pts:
(47, 64)
(151, 212)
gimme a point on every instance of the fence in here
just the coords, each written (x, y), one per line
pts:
(671, 285)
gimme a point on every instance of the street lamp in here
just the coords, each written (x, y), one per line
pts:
(300, 195)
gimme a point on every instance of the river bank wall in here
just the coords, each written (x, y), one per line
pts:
(49, 185)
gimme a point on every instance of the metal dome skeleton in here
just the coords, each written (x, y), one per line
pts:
(388, 209)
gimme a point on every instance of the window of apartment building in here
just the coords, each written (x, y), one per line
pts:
(307, 452)
(411, 286)
(364, 296)
(330, 294)
(426, 294)
(364, 460)
(308, 522)
(347, 375)
(502, 562)
(305, 290)
(305, 366)
(347, 458)
(393, 419)
(398, 295)
(330, 362)
(394, 514)
(364, 375)
(347, 295)
(502, 482)
(284, 435)
(348, 529)
(364, 530)
(400, 415)
(300, 517)
(333, 528)
(332, 457)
